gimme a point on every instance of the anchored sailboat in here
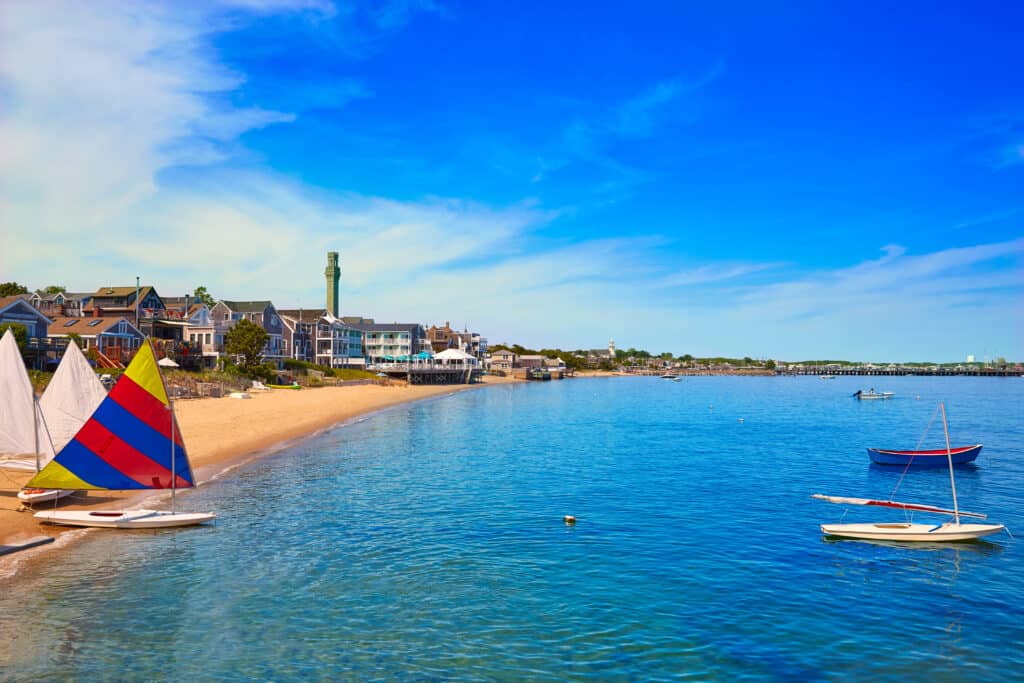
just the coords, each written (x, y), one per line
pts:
(907, 531)
(131, 442)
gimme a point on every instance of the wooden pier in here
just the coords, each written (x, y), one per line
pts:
(431, 374)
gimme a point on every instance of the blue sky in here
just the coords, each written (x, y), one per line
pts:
(810, 180)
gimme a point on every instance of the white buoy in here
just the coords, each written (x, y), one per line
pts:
(569, 519)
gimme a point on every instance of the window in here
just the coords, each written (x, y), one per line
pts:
(70, 323)
(96, 322)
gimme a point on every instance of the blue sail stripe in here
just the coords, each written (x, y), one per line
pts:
(92, 469)
(142, 437)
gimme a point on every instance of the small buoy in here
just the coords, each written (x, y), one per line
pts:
(569, 519)
(740, 420)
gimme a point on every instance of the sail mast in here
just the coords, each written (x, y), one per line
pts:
(949, 457)
(174, 474)
(35, 426)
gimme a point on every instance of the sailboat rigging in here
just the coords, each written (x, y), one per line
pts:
(908, 531)
(131, 442)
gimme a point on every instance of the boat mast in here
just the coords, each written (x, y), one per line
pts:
(949, 458)
(35, 425)
(174, 476)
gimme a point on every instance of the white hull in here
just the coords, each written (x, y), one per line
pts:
(912, 532)
(48, 494)
(124, 519)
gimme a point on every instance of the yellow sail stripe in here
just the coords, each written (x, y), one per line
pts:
(144, 371)
(56, 476)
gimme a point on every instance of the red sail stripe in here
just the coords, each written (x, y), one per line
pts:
(143, 405)
(125, 459)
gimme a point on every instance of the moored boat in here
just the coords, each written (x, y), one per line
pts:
(933, 458)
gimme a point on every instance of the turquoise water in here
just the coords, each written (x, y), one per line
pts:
(427, 543)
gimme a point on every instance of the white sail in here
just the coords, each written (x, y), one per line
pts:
(72, 396)
(22, 430)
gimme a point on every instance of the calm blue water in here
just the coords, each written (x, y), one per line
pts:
(427, 543)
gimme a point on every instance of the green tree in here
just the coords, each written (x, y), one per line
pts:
(202, 295)
(77, 339)
(12, 288)
(20, 335)
(246, 340)
(54, 289)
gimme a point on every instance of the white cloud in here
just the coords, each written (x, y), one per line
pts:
(100, 102)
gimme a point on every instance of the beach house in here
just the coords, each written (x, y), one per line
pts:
(386, 342)
(503, 360)
(226, 314)
(318, 337)
(143, 306)
(113, 340)
(17, 309)
(58, 303)
(199, 345)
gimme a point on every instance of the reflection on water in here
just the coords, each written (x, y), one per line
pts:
(428, 543)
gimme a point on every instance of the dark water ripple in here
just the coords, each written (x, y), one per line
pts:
(427, 543)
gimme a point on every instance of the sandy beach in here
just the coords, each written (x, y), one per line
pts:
(220, 432)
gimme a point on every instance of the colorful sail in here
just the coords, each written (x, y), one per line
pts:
(127, 443)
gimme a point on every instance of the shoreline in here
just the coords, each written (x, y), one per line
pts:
(221, 435)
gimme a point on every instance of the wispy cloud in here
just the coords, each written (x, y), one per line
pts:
(588, 139)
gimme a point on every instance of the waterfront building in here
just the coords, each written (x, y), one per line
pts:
(318, 337)
(143, 306)
(114, 340)
(57, 304)
(503, 360)
(442, 338)
(17, 309)
(226, 314)
(531, 362)
(200, 336)
(384, 342)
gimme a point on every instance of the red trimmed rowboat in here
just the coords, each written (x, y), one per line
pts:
(935, 458)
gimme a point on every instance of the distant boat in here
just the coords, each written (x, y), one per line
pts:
(668, 375)
(872, 396)
(908, 531)
(130, 442)
(933, 458)
(827, 376)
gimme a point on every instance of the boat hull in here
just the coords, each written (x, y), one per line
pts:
(912, 532)
(124, 519)
(43, 496)
(936, 458)
(875, 397)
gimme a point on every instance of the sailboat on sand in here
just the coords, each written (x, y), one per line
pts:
(131, 442)
(24, 437)
(70, 399)
(908, 531)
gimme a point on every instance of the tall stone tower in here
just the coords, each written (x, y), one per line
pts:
(611, 348)
(333, 273)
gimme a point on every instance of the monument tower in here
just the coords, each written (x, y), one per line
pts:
(333, 273)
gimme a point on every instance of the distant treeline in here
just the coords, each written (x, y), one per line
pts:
(578, 358)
